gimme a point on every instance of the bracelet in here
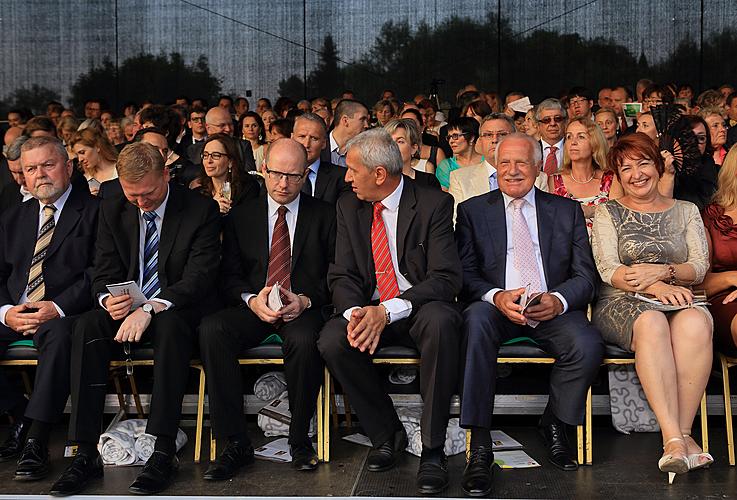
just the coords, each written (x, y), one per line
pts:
(672, 274)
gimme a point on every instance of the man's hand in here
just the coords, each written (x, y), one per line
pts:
(506, 302)
(20, 321)
(295, 305)
(549, 307)
(118, 307)
(367, 332)
(133, 326)
(259, 305)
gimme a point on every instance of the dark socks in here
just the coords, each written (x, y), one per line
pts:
(166, 444)
(548, 417)
(480, 436)
(89, 449)
(18, 411)
(40, 431)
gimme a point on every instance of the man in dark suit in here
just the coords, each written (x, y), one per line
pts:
(394, 281)
(512, 240)
(15, 192)
(351, 118)
(324, 180)
(219, 121)
(284, 237)
(46, 250)
(165, 238)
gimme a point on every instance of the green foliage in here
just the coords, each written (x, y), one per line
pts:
(35, 98)
(146, 77)
(293, 87)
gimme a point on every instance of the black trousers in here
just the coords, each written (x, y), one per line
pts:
(51, 386)
(575, 344)
(434, 330)
(171, 334)
(224, 335)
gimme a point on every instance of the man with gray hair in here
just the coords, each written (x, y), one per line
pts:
(350, 119)
(394, 282)
(14, 193)
(551, 119)
(219, 121)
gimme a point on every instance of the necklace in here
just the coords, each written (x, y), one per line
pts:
(582, 182)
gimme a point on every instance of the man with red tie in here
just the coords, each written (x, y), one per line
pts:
(551, 119)
(394, 282)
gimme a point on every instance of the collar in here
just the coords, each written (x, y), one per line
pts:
(161, 210)
(59, 203)
(391, 202)
(558, 144)
(333, 143)
(314, 167)
(273, 206)
(529, 198)
(490, 169)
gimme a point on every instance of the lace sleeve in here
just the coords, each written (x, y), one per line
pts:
(604, 242)
(698, 250)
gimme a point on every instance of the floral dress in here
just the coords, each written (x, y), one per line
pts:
(559, 188)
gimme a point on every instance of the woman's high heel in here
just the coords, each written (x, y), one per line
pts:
(673, 464)
(699, 460)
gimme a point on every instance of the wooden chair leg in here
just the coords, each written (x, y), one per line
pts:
(468, 444)
(320, 425)
(580, 443)
(589, 429)
(213, 446)
(26, 382)
(119, 392)
(200, 416)
(727, 408)
(136, 396)
(333, 404)
(327, 401)
(704, 425)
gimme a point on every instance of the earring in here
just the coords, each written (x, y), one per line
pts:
(229, 166)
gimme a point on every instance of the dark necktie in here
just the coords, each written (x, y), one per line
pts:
(280, 256)
(36, 289)
(150, 283)
(307, 186)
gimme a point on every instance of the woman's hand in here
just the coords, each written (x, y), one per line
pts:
(671, 294)
(669, 160)
(641, 276)
(223, 202)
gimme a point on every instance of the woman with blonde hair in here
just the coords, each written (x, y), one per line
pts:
(606, 119)
(585, 175)
(96, 157)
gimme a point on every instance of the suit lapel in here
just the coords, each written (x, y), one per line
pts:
(405, 216)
(130, 231)
(545, 225)
(300, 230)
(365, 215)
(170, 226)
(27, 239)
(321, 182)
(67, 221)
(496, 222)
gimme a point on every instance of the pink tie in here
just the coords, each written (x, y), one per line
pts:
(551, 162)
(525, 260)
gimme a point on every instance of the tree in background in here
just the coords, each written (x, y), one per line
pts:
(35, 98)
(327, 80)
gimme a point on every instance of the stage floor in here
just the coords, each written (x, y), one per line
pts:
(624, 467)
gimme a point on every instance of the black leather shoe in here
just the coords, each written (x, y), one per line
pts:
(384, 456)
(235, 455)
(432, 477)
(13, 445)
(559, 452)
(156, 475)
(80, 472)
(33, 463)
(478, 476)
(304, 457)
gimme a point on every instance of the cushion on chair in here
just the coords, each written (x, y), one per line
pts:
(396, 351)
(21, 352)
(263, 351)
(522, 351)
(613, 351)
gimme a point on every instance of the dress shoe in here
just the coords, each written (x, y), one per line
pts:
(236, 454)
(12, 446)
(79, 473)
(432, 476)
(33, 463)
(384, 456)
(478, 476)
(559, 452)
(304, 457)
(156, 475)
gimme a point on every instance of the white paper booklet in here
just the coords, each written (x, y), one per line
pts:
(128, 288)
(276, 451)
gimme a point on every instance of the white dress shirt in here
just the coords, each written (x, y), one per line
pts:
(511, 277)
(59, 204)
(336, 157)
(558, 153)
(491, 174)
(398, 308)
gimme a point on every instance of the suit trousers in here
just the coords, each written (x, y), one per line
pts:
(51, 385)
(434, 330)
(575, 344)
(224, 335)
(171, 335)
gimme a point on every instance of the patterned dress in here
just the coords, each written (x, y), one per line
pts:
(605, 185)
(622, 236)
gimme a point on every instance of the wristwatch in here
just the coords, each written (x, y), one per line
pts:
(148, 308)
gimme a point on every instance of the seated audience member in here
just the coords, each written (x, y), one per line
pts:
(646, 125)
(38, 126)
(462, 135)
(115, 134)
(281, 128)
(551, 119)
(268, 117)
(15, 192)
(519, 240)
(476, 109)
(700, 186)
(721, 280)
(196, 127)
(129, 128)
(429, 111)
(251, 128)
(429, 155)
(65, 130)
(96, 157)
(262, 105)
(219, 121)
(350, 119)
(468, 182)
(531, 126)
(383, 111)
(278, 239)
(324, 180)
(645, 242)
(585, 176)
(580, 102)
(405, 295)
(222, 177)
(606, 119)
(406, 134)
(718, 132)
(46, 250)
(155, 222)
(181, 170)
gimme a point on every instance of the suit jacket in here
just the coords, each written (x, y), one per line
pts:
(189, 247)
(194, 154)
(246, 249)
(67, 265)
(481, 234)
(330, 183)
(427, 180)
(731, 138)
(10, 197)
(426, 251)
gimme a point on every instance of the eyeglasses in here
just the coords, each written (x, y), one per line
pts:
(548, 119)
(490, 135)
(199, 119)
(455, 137)
(215, 156)
(277, 176)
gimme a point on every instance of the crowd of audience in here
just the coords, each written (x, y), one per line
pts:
(447, 230)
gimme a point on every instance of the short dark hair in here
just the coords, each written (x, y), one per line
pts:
(666, 94)
(282, 125)
(468, 126)
(259, 122)
(43, 123)
(731, 97)
(580, 92)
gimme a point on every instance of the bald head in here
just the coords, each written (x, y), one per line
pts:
(12, 134)
(218, 121)
(284, 173)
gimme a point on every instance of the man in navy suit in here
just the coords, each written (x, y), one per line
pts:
(514, 240)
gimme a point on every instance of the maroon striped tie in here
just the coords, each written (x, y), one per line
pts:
(280, 257)
(386, 280)
(551, 162)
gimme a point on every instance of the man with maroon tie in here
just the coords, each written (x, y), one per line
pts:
(394, 282)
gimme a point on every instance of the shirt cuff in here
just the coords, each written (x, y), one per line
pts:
(58, 309)
(489, 296)
(562, 301)
(167, 304)
(246, 297)
(347, 313)
(101, 298)
(398, 309)
(3, 311)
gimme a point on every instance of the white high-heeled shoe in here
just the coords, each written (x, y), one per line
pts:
(701, 460)
(673, 464)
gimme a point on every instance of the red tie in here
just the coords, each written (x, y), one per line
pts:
(280, 257)
(386, 280)
(551, 162)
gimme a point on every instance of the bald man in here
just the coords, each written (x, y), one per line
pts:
(219, 121)
(287, 237)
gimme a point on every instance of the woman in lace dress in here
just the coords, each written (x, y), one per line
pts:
(647, 243)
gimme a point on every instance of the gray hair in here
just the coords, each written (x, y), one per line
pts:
(537, 154)
(377, 148)
(41, 141)
(13, 152)
(550, 104)
(312, 117)
(413, 131)
(499, 116)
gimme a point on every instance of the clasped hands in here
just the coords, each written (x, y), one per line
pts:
(135, 323)
(26, 318)
(365, 327)
(293, 307)
(650, 278)
(507, 301)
